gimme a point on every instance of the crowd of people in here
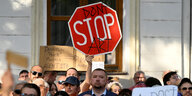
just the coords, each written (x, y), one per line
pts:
(36, 82)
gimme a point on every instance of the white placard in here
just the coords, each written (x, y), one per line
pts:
(169, 90)
(97, 65)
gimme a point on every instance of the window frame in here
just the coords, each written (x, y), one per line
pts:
(117, 67)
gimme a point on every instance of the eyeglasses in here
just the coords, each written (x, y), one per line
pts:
(185, 88)
(61, 82)
(175, 77)
(17, 91)
(39, 73)
(23, 94)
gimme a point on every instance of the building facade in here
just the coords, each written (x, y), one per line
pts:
(156, 34)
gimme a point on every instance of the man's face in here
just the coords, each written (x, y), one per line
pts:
(72, 90)
(115, 89)
(28, 91)
(174, 80)
(71, 72)
(186, 89)
(52, 77)
(60, 83)
(23, 76)
(139, 77)
(36, 72)
(98, 79)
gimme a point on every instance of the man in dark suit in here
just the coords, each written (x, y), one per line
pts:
(98, 82)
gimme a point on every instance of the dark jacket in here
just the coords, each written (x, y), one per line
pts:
(109, 93)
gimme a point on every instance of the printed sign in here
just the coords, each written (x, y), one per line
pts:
(95, 29)
(169, 90)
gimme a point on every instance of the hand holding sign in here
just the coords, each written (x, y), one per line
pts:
(89, 58)
(7, 78)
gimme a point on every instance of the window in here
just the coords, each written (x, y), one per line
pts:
(58, 14)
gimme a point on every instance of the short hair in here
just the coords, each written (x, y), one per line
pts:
(34, 86)
(45, 83)
(99, 69)
(139, 72)
(151, 81)
(184, 80)
(114, 83)
(73, 69)
(168, 76)
(125, 92)
(23, 71)
(19, 83)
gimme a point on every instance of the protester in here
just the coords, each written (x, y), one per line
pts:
(52, 89)
(43, 85)
(185, 87)
(84, 86)
(35, 72)
(7, 83)
(171, 78)
(114, 87)
(30, 89)
(139, 79)
(99, 81)
(17, 89)
(60, 83)
(72, 86)
(23, 75)
(50, 76)
(151, 82)
(125, 92)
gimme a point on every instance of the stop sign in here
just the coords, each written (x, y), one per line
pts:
(95, 29)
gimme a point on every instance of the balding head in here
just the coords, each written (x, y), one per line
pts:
(35, 72)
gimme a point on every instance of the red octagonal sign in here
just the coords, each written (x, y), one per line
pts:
(95, 29)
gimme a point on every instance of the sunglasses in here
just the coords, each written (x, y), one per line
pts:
(61, 82)
(185, 88)
(23, 94)
(17, 91)
(34, 73)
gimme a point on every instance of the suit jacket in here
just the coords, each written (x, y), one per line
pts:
(109, 93)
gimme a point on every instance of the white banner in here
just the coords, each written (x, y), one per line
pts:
(169, 90)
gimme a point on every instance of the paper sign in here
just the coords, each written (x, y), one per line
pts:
(96, 65)
(169, 90)
(15, 58)
(60, 58)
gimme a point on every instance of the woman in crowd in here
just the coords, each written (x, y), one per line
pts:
(53, 89)
(115, 87)
(185, 87)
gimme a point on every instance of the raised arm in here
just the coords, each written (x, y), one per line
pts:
(86, 83)
(7, 83)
